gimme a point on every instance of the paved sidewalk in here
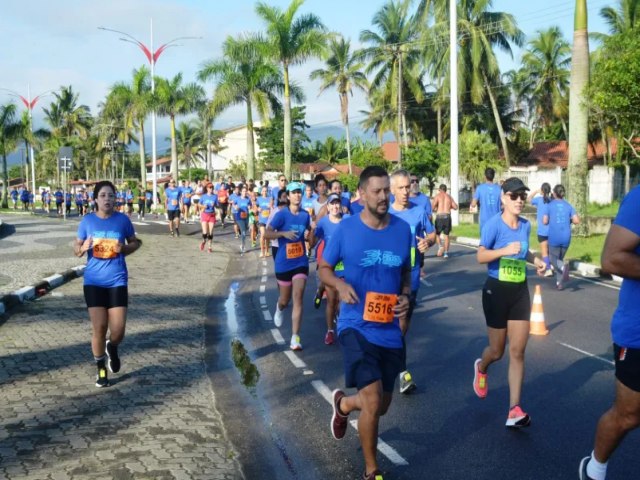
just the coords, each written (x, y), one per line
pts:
(158, 420)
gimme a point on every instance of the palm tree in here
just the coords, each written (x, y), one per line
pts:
(544, 78)
(343, 72)
(131, 103)
(173, 98)
(578, 169)
(625, 18)
(187, 141)
(394, 54)
(244, 75)
(66, 118)
(291, 41)
(9, 131)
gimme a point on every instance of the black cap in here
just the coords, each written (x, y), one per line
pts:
(513, 184)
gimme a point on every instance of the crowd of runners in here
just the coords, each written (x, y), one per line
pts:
(369, 254)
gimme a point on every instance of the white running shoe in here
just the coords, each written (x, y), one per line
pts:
(277, 317)
(295, 343)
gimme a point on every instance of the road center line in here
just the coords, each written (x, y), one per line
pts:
(293, 358)
(383, 447)
(584, 352)
(267, 315)
(264, 279)
(277, 336)
(264, 271)
(262, 288)
(263, 300)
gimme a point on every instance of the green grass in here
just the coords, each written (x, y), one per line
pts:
(597, 210)
(584, 249)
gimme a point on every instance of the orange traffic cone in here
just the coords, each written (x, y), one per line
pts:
(537, 325)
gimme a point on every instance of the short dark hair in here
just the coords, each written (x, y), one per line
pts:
(319, 177)
(443, 187)
(371, 171)
(559, 191)
(489, 173)
(103, 183)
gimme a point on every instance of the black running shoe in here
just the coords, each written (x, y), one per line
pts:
(317, 300)
(102, 380)
(178, 232)
(113, 359)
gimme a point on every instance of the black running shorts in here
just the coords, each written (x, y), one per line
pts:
(106, 297)
(173, 214)
(443, 224)
(504, 301)
(627, 366)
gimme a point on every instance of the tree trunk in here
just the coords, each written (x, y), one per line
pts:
(251, 154)
(209, 162)
(627, 177)
(5, 182)
(143, 166)
(344, 109)
(439, 117)
(399, 120)
(174, 150)
(578, 170)
(496, 116)
(287, 124)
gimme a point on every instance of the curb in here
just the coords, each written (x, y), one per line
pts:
(30, 292)
(584, 269)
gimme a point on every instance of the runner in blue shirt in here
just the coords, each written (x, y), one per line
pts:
(24, 198)
(375, 248)
(187, 193)
(46, 200)
(241, 208)
(59, 200)
(488, 195)
(129, 197)
(423, 236)
(233, 197)
(321, 236)
(558, 217)
(540, 199)
(621, 256)
(67, 202)
(264, 203)
(504, 247)
(282, 184)
(290, 226)
(207, 205)
(14, 197)
(172, 207)
(416, 196)
(108, 237)
(79, 198)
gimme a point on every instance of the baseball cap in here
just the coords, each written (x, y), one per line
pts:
(513, 184)
(332, 197)
(295, 186)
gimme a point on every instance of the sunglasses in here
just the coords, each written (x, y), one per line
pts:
(414, 181)
(514, 196)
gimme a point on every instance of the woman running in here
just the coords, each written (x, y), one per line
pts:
(207, 205)
(108, 236)
(322, 234)
(283, 201)
(559, 216)
(264, 203)
(504, 247)
(242, 205)
(540, 199)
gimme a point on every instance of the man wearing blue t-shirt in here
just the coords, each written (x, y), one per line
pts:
(172, 206)
(282, 184)
(488, 196)
(375, 249)
(422, 237)
(621, 256)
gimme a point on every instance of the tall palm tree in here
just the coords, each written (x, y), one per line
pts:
(394, 55)
(66, 118)
(9, 131)
(133, 102)
(173, 98)
(291, 40)
(578, 169)
(244, 75)
(544, 77)
(188, 138)
(625, 18)
(343, 71)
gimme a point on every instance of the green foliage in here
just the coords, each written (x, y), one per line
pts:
(369, 156)
(237, 169)
(16, 171)
(196, 174)
(477, 152)
(270, 139)
(426, 159)
(249, 373)
(349, 181)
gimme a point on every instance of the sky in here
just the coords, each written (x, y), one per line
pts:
(45, 44)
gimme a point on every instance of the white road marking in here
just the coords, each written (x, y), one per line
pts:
(264, 271)
(262, 288)
(383, 447)
(307, 372)
(264, 279)
(293, 358)
(584, 352)
(277, 336)
(263, 300)
(267, 315)
(426, 283)
(140, 223)
(264, 263)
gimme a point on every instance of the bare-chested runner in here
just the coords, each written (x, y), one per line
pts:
(442, 206)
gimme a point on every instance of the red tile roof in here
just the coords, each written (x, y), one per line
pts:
(556, 154)
(159, 161)
(391, 151)
(329, 171)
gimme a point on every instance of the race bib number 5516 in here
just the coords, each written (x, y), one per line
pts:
(378, 307)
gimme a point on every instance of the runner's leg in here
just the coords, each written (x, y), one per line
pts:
(518, 332)
(296, 314)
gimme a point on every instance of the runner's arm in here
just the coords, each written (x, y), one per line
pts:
(328, 277)
(618, 255)
(485, 255)
(133, 244)
(454, 205)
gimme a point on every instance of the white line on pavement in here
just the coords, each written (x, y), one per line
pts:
(277, 336)
(263, 300)
(426, 283)
(264, 279)
(140, 223)
(597, 357)
(293, 358)
(267, 315)
(384, 447)
(307, 372)
(264, 271)
(264, 263)
(262, 288)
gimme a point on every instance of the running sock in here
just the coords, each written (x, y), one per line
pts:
(210, 237)
(595, 469)
(100, 359)
(547, 262)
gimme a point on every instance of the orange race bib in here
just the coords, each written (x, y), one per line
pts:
(378, 307)
(265, 213)
(243, 215)
(310, 211)
(294, 250)
(105, 248)
(174, 202)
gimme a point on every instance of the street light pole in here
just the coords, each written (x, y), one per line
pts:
(152, 56)
(453, 98)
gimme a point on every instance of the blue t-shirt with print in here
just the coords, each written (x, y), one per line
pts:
(274, 194)
(497, 234)
(488, 194)
(420, 225)
(209, 201)
(14, 195)
(105, 268)
(187, 193)
(264, 208)
(542, 210)
(173, 198)
(291, 254)
(374, 263)
(625, 325)
(560, 213)
(242, 206)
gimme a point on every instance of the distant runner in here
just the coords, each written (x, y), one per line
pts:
(443, 203)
